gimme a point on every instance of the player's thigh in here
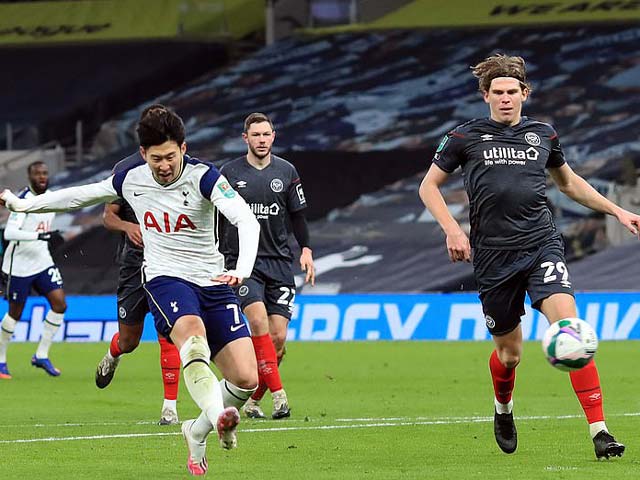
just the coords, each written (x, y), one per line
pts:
(49, 284)
(171, 299)
(251, 297)
(503, 305)
(185, 327)
(17, 292)
(251, 291)
(132, 300)
(279, 298)
(222, 318)
(549, 282)
(237, 363)
(502, 287)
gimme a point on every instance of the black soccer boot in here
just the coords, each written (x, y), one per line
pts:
(606, 446)
(505, 431)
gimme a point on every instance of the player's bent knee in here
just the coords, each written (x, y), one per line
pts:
(195, 349)
(510, 361)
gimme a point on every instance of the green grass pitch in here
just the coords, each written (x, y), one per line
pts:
(369, 410)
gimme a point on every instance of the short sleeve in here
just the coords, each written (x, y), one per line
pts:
(448, 155)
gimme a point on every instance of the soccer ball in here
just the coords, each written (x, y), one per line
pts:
(569, 344)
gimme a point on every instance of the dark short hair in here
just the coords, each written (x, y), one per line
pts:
(32, 165)
(153, 109)
(256, 117)
(159, 124)
(500, 65)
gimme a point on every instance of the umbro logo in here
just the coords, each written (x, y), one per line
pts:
(241, 184)
(235, 328)
(136, 194)
(486, 137)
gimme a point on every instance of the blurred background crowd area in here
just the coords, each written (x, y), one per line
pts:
(361, 92)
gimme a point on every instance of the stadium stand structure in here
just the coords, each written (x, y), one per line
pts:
(358, 111)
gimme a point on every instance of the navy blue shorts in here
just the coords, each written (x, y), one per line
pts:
(505, 276)
(18, 288)
(171, 298)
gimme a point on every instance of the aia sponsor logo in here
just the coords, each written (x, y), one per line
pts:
(166, 224)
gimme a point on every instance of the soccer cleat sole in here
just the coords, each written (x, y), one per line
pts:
(606, 446)
(226, 425)
(103, 381)
(612, 451)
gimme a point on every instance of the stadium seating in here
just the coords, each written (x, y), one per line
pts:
(397, 93)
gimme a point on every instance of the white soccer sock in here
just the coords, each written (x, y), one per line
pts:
(201, 382)
(503, 408)
(7, 327)
(234, 396)
(201, 427)
(597, 427)
(52, 323)
(172, 404)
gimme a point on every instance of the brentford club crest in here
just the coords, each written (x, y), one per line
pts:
(277, 185)
(532, 139)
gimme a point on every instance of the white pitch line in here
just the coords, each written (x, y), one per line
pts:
(375, 424)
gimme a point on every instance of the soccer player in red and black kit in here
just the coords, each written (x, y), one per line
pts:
(271, 186)
(132, 302)
(516, 245)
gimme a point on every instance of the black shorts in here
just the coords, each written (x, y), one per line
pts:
(271, 283)
(132, 301)
(504, 276)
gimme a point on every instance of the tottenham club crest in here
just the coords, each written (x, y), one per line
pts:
(532, 139)
(243, 290)
(277, 185)
(122, 312)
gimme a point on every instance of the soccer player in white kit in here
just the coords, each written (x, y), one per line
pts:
(27, 264)
(176, 199)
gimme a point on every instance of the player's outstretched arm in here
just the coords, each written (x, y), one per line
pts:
(578, 189)
(458, 245)
(236, 210)
(61, 200)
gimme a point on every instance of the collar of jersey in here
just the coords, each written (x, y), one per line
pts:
(251, 165)
(504, 125)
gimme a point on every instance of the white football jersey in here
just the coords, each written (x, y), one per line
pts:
(25, 254)
(176, 220)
